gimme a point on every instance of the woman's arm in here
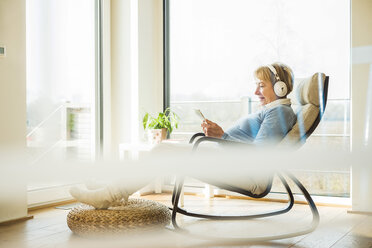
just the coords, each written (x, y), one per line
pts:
(243, 131)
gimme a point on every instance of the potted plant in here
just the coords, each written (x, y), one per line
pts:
(159, 126)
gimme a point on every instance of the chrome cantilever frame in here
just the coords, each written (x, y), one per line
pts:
(178, 210)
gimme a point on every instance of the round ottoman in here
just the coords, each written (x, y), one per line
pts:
(135, 215)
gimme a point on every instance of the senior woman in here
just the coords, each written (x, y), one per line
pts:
(268, 125)
(273, 121)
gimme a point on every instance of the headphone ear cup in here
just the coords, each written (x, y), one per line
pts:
(280, 89)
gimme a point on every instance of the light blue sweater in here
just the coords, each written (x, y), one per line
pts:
(268, 126)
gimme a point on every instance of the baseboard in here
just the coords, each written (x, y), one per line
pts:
(9, 222)
(283, 201)
(359, 212)
(272, 197)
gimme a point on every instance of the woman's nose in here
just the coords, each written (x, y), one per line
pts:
(257, 92)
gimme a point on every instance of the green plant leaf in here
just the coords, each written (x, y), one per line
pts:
(144, 120)
(167, 119)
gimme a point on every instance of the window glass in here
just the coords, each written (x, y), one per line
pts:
(215, 46)
(60, 79)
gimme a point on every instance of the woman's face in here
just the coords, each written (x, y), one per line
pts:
(265, 92)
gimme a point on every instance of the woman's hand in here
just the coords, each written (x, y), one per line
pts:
(211, 129)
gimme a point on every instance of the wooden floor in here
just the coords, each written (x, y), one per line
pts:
(337, 228)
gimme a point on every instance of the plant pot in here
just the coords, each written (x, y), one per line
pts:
(155, 136)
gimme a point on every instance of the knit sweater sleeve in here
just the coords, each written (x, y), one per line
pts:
(275, 125)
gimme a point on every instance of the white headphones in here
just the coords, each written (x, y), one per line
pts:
(280, 88)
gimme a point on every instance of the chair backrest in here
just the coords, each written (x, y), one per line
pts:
(309, 100)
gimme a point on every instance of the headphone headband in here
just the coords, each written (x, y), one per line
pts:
(273, 70)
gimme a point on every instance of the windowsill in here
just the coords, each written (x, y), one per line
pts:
(299, 198)
(48, 196)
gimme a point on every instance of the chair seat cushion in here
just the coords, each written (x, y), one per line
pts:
(136, 214)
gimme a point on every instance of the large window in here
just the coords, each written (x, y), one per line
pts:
(61, 80)
(215, 45)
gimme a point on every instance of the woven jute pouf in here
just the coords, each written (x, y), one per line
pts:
(135, 215)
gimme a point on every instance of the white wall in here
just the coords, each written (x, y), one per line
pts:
(149, 84)
(13, 202)
(361, 172)
(150, 41)
(106, 46)
(120, 72)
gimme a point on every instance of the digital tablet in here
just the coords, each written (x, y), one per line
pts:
(200, 114)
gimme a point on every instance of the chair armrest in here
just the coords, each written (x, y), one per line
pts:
(220, 141)
(194, 136)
